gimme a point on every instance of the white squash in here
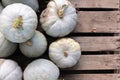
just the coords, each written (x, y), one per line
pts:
(35, 47)
(59, 18)
(41, 69)
(18, 22)
(10, 70)
(65, 52)
(32, 3)
(6, 47)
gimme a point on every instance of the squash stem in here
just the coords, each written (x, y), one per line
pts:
(65, 53)
(62, 10)
(18, 22)
(29, 43)
(1, 62)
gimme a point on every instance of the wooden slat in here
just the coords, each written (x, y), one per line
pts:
(98, 21)
(99, 43)
(96, 62)
(91, 77)
(95, 3)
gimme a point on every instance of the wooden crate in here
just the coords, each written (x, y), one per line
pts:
(99, 23)
(97, 31)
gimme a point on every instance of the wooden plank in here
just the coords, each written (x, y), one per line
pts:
(96, 62)
(99, 43)
(95, 3)
(98, 21)
(91, 77)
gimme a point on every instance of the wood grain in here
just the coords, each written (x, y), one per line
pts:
(98, 21)
(96, 62)
(95, 3)
(91, 77)
(99, 43)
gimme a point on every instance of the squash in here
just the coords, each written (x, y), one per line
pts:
(10, 70)
(32, 3)
(18, 22)
(41, 69)
(34, 47)
(59, 18)
(65, 52)
(6, 47)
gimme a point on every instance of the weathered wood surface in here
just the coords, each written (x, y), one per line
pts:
(91, 77)
(99, 43)
(95, 3)
(98, 21)
(96, 62)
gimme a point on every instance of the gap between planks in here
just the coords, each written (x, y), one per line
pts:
(92, 77)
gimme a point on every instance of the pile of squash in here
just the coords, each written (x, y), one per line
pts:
(18, 23)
